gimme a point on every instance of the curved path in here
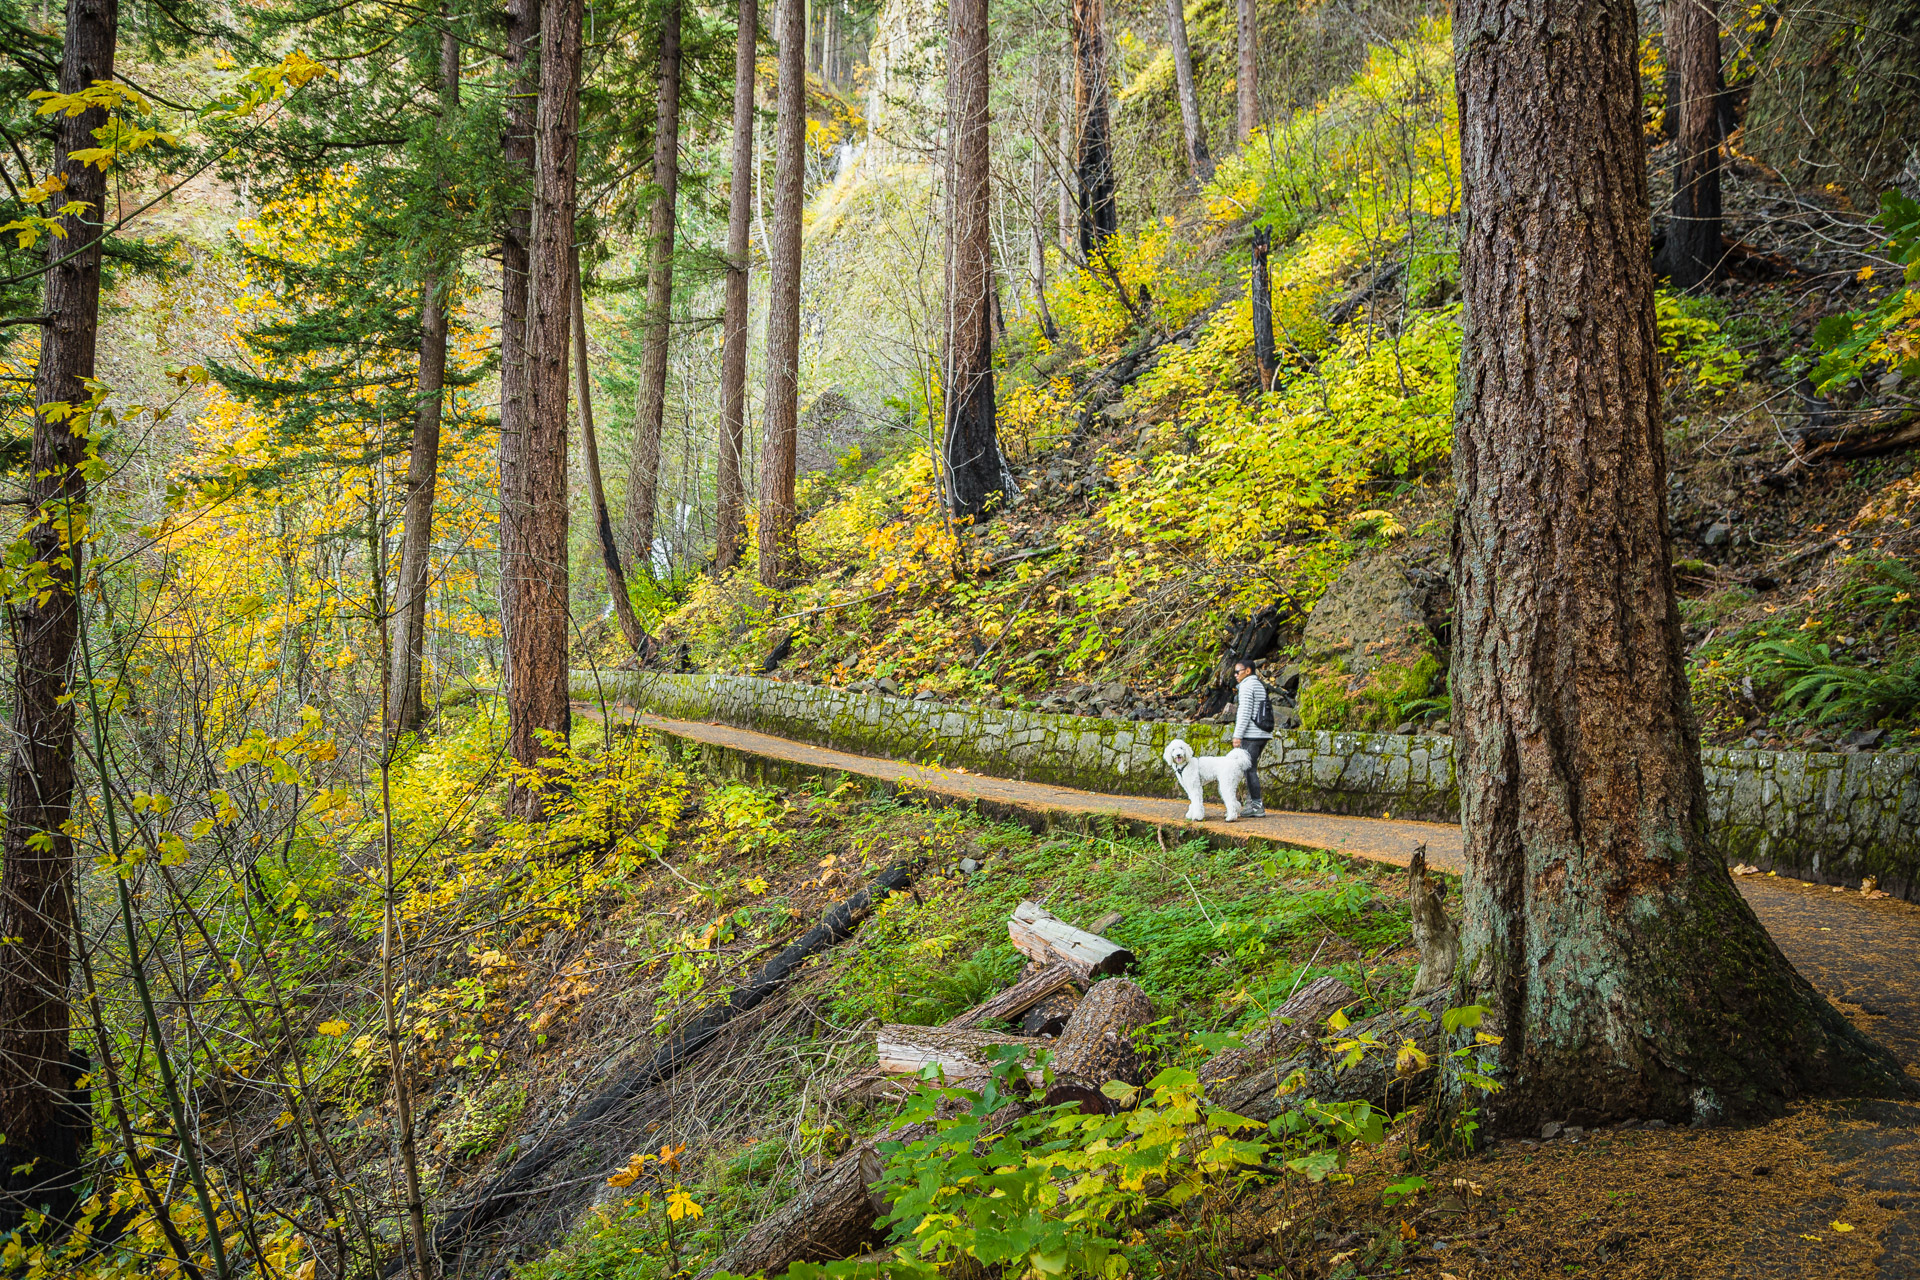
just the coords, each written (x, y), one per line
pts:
(1864, 954)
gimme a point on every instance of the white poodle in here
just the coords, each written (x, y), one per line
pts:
(1194, 772)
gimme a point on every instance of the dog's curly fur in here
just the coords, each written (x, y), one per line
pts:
(1194, 772)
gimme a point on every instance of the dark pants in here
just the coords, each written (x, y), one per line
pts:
(1253, 747)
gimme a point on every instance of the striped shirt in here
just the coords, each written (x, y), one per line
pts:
(1253, 700)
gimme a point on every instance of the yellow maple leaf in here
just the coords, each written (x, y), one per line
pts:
(681, 1205)
(337, 1027)
(636, 1165)
(1841, 1226)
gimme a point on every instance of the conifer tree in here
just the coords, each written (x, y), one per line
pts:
(643, 477)
(42, 1125)
(782, 412)
(733, 356)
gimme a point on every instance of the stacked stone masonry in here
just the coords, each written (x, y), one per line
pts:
(1827, 818)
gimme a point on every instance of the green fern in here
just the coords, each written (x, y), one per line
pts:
(1814, 683)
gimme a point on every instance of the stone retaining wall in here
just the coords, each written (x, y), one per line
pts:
(1829, 818)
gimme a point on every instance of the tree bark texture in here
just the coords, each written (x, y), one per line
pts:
(643, 475)
(974, 471)
(1068, 147)
(1036, 226)
(1190, 123)
(778, 559)
(1260, 292)
(516, 146)
(1298, 1020)
(1626, 974)
(640, 642)
(537, 699)
(406, 709)
(1247, 79)
(730, 518)
(1044, 982)
(41, 1132)
(1097, 1045)
(1046, 939)
(1093, 160)
(1692, 249)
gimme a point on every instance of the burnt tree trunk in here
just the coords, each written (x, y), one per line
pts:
(1247, 80)
(782, 412)
(41, 1133)
(1093, 160)
(1692, 249)
(972, 448)
(516, 148)
(640, 642)
(1260, 290)
(1625, 972)
(730, 519)
(1096, 1045)
(1190, 125)
(537, 698)
(643, 474)
(405, 708)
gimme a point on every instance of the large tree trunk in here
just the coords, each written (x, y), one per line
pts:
(782, 422)
(1247, 81)
(643, 475)
(1692, 249)
(537, 698)
(972, 449)
(516, 147)
(639, 641)
(733, 344)
(1190, 125)
(1093, 163)
(41, 1134)
(1626, 974)
(405, 708)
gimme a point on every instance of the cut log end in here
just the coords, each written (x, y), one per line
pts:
(1046, 939)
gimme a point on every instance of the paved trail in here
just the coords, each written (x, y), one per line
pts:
(1864, 954)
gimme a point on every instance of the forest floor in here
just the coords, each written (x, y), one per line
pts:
(1831, 1188)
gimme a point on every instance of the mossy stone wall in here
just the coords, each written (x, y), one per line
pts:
(1828, 818)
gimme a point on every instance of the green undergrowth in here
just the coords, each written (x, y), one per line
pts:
(1221, 936)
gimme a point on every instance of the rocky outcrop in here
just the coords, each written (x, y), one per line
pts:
(1373, 615)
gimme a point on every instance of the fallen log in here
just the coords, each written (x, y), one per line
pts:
(832, 1217)
(1281, 1032)
(1045, 981)
(1044, 937)
(960, 1053)
(517, 1183)
(1097, 1045)
(1877, 431)
(1377, 1077)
